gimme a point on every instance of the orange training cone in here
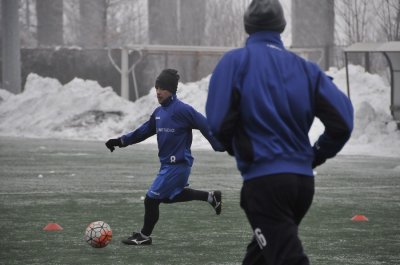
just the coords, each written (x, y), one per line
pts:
(359, 218)
(52, 227)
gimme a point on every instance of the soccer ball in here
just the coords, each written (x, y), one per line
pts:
(98, 234)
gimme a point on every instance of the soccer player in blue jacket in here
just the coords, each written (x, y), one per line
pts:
(173, 122)
(261, 104)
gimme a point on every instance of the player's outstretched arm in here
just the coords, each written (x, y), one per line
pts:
(146, 130)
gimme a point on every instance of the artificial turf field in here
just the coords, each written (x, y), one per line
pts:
(74, 183)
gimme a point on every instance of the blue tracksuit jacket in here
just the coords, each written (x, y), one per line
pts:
(173, 122)
(262, 102)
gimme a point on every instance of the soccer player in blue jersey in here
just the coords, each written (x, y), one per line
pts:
(261, 104)
(173, 123)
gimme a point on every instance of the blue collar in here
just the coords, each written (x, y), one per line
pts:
(270, 37)
(169, 100)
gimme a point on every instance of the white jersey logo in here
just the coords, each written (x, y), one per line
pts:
(155, 193)
(168, 130)
(262, 242)
(172, 159)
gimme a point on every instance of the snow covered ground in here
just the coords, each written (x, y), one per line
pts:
(83, 110)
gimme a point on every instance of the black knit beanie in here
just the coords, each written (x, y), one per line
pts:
(168, 80)
(264, 15)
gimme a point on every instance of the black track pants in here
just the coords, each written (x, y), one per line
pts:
(152, 206)
(275, 206)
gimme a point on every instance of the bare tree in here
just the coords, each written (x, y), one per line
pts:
(71, 22)
(353, 21)
(93, 22)
(49, 22)
(127, 22)
(11, 57)
(388, 14)
(27, 19)
(192, 21)
(225, 22)
(316, 33)
(117, 22)
(163, 22)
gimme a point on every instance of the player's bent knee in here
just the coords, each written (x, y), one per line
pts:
(148, 201)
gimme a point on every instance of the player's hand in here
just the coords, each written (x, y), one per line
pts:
(317, 162)
(318, 158)
(111, 143)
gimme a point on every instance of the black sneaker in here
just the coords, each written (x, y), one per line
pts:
(137, 239)
(217, 201)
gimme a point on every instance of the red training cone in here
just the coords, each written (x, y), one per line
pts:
(359, 218)
(52, 227)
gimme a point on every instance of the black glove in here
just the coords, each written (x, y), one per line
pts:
(111, 143)
(317, 162)
(318, 158)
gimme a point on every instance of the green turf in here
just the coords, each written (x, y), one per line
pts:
(74, 183)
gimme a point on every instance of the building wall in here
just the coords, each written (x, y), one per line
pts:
(173, 22)
(313, 26)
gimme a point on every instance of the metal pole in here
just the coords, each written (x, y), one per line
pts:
(392, 88)
(132, 70)
(11, 63)
(124, 73)
(347, 74)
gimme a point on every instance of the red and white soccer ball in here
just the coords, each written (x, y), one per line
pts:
(98, 234)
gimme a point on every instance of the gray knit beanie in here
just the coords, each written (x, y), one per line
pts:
(264, 15)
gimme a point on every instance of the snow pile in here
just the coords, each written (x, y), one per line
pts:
(85, 111)
(80, 109)
(375, 131)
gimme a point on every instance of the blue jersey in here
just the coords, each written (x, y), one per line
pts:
(173, 123)
(262, 102)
